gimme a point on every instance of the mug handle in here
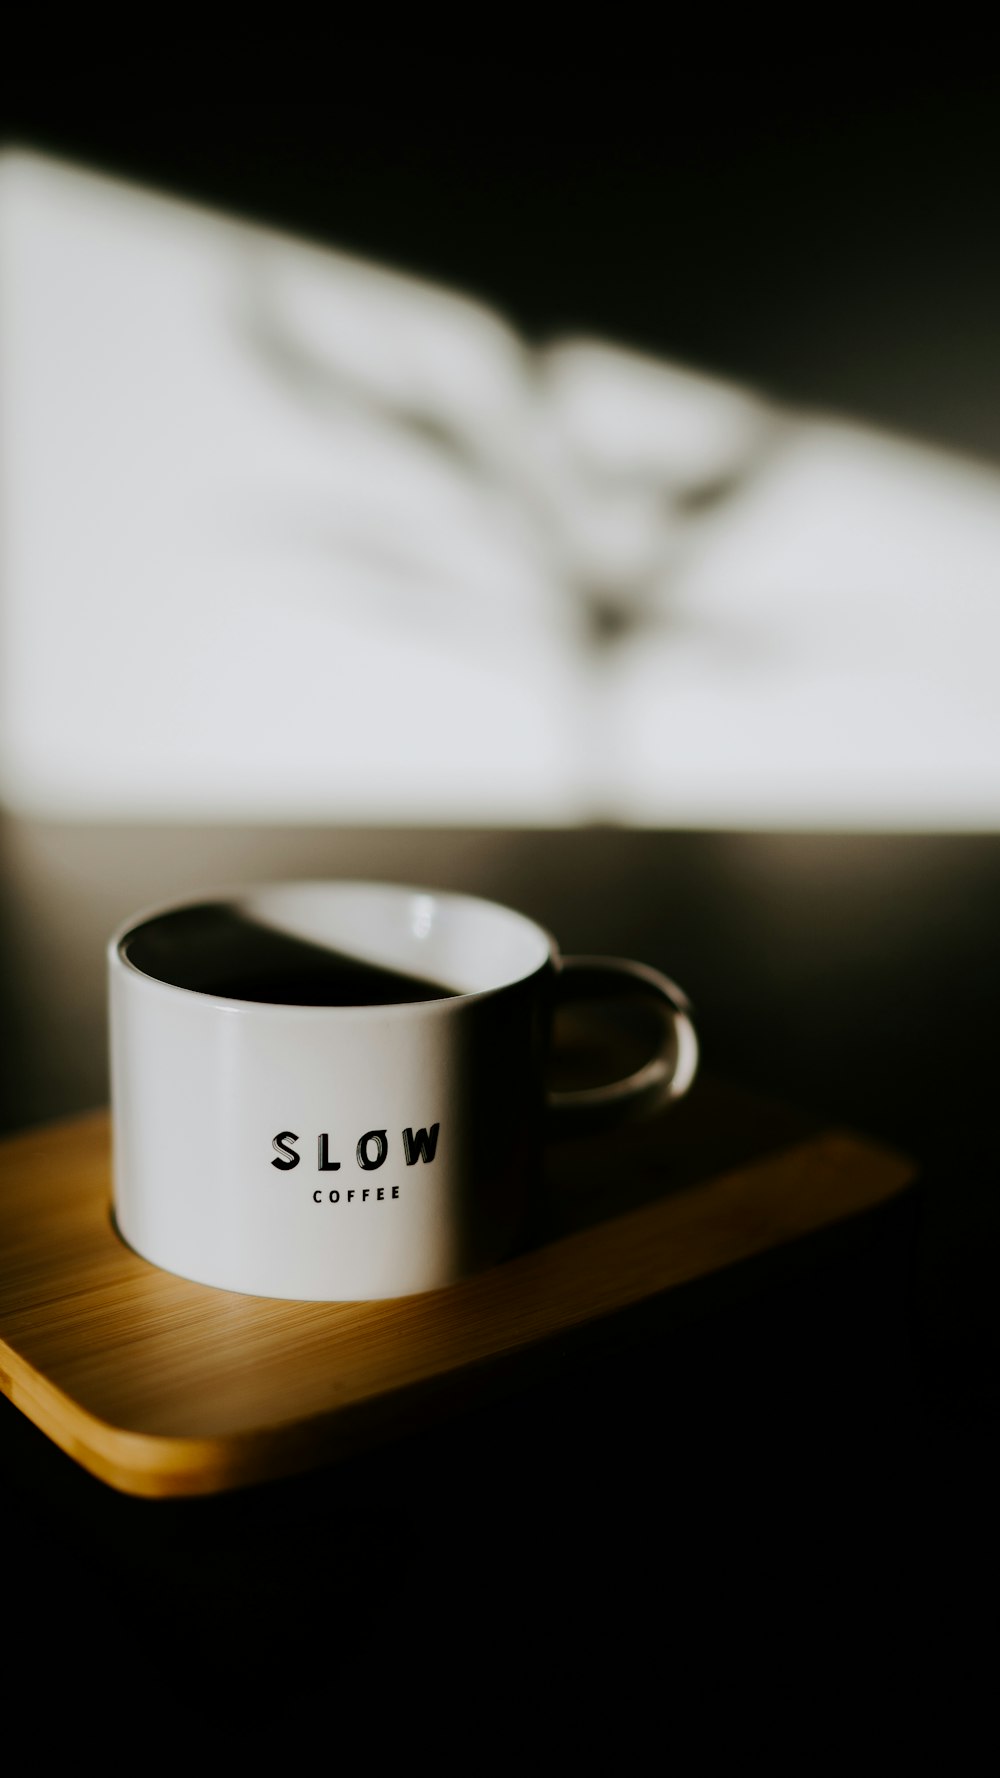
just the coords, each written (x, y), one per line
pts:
(664, 1078)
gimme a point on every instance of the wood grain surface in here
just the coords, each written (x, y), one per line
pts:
(164, 1387)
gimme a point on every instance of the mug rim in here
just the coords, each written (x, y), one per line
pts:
(222, 894)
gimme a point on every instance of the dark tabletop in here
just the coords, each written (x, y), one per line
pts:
(787, 1445)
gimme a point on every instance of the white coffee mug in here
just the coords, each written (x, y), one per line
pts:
(334, 1090)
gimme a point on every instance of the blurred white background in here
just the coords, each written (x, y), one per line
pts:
(289, 537)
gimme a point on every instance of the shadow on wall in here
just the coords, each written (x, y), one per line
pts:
(337, 545)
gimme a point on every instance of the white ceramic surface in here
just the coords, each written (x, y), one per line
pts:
(417, 1126)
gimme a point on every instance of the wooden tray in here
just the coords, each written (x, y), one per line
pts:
(162, 1387)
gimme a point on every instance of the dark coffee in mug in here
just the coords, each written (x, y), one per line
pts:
(220, 948)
